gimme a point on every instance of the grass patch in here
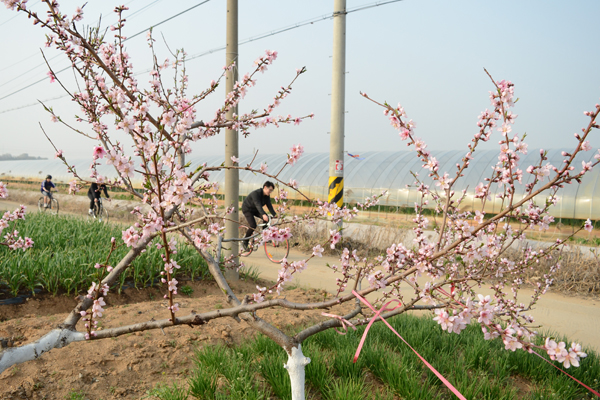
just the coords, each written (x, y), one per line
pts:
(66, 250)
(479, 369)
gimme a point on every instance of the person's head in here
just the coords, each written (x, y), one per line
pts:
(48, 177)
(268, 188)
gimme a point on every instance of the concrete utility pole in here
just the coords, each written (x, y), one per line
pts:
(232, 176)
(338, 91)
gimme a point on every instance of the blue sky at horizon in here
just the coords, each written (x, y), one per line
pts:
(427, 55)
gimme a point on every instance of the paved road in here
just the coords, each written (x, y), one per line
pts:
(577, 318)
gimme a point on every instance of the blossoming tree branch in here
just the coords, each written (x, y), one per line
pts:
(161, 122)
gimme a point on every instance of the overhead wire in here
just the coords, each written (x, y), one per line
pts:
(34, 104)
(245, 41)
(168, 19)
(15, 16)
(293, 26)
(135, 13)
(128, 38)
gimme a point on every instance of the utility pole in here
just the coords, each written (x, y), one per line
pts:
(338, 91)
(232, 176)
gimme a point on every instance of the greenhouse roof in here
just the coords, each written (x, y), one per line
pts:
(374, 173)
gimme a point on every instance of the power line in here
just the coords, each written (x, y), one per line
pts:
(135, 13)
(251, 39)
(168, 19)
(15, 16)
(35, 54)
(28, 71)
(42, 64)
(34, 104)
(294, 26)
(128, 38)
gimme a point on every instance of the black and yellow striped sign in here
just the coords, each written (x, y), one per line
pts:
(336, 190)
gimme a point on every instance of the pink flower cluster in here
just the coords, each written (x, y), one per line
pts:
(567, 357)
(297, 151)
(12, 239)
(276, 234)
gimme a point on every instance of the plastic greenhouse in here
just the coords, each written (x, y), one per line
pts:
(378, 171)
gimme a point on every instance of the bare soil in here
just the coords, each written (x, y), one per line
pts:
(128, 366)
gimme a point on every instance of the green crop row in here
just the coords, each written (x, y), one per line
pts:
(386, 369)
(66, 250)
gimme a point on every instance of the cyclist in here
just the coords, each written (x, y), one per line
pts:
(94, 193)
(46, 190)
(253, 207)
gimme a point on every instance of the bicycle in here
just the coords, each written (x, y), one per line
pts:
(52, 205)
(275, 251)
(99, 213)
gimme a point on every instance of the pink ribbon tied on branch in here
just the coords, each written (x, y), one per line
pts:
(378, 316)
(345, 323)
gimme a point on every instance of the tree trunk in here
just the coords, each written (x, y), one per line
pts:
(54, 339)
(295, 367)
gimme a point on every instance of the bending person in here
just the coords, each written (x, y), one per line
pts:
(253, 207)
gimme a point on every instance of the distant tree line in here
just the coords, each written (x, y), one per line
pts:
(24, 156)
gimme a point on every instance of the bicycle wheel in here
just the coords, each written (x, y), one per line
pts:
(41, 207)
(277, 251)
(101, 214)
(53, 207)
(246, 253)
(91, 216)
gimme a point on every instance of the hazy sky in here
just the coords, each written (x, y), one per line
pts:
(427, 55)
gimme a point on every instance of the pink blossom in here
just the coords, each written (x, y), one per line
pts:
(404, 133)
(318, 251)
(588, 225)
(485, 316)
(173, 285)
(97, 309)
(51, 76)
(99, 152)
(263, 168)
(511, 343)
(3, 191)
(335, 237)
(444, 181)
(552, 348)
(586, 166)
(130, 237)
(568, 358)
(258, 297)
(59, 154)
(377, 280)
(73, 188)
(432, 164)
(586, 146)
(576, 348)
(235, 160)
(443, 319)
(297, 151)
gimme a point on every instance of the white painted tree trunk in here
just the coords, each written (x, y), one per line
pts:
(54, 339)
(295, 367)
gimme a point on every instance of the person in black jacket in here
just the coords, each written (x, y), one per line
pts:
(94, 193)
(253, 207)
(46, 190)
